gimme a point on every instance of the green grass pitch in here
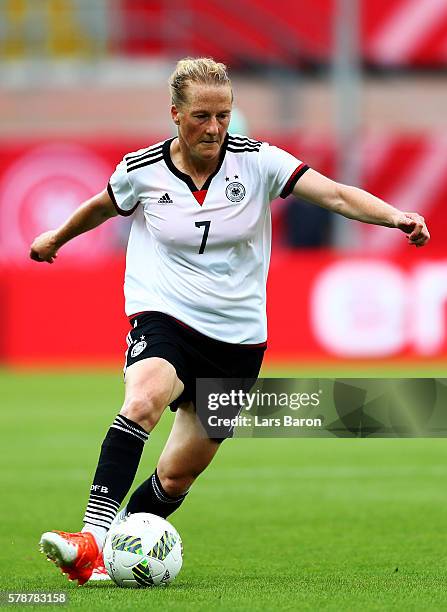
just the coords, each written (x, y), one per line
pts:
(328, 524)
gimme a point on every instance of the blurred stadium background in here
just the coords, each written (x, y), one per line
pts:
(356, 89)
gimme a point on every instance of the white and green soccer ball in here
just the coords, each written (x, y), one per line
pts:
(143, 550)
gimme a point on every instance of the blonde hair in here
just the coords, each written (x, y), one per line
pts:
(196, 70)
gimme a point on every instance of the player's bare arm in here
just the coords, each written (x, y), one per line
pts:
(355, 203)
(89, 215)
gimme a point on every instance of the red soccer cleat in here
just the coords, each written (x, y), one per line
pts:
(74, 553)
(99, 571)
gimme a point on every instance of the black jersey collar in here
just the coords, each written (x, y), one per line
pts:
(185, 177)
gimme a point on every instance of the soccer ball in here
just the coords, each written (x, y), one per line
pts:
(143, 550)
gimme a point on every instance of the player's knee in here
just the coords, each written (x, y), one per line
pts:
(144, 409)
(175, 484)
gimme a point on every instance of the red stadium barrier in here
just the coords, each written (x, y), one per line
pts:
(385, 303)
(41, 183)
(63, 314)
(321, 307)
(328, 306)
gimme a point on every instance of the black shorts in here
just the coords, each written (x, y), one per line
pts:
(193, 355)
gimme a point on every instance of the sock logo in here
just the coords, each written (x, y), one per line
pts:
(100, 488)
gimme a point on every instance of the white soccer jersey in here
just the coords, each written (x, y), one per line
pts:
(202, 256)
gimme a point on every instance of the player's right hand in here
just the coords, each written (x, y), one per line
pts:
(44, 247)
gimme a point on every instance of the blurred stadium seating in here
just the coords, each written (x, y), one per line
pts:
(398, 33)
(255, 32)
(84, 82)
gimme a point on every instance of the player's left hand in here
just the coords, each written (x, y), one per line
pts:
(414, 226)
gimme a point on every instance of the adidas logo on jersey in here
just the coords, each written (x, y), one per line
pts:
(165, 199)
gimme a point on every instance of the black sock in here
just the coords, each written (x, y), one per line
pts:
(151, 497)
(117, 466)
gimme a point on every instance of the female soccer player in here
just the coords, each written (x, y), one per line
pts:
(195, 287)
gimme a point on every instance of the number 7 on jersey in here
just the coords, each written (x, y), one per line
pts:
(206, 225)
